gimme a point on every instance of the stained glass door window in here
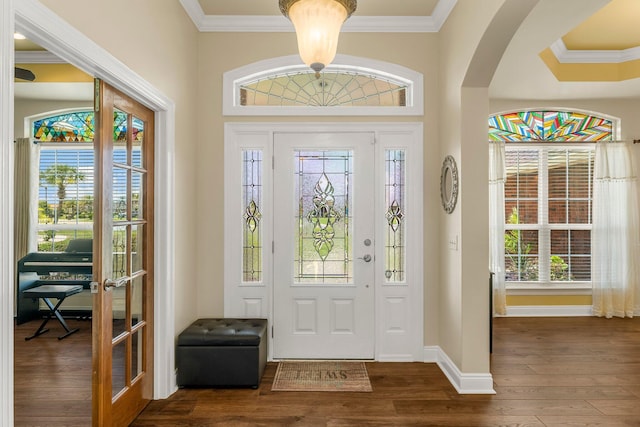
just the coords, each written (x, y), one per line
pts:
(252, 216)
(395, 216)
(323, 224)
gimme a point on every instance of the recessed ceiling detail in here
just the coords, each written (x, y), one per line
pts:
(605, 47)
(210, 16)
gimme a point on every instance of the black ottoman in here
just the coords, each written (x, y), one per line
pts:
(222, 352)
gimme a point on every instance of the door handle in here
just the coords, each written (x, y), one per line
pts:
(115, 283)
(366, 258)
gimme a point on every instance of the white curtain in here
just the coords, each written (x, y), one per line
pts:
(615, 232)
(497, 177)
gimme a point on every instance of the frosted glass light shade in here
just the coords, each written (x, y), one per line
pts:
(317, 24)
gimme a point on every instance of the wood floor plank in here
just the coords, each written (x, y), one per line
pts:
(617, 407)
(597, 421)
(553, 372)
(542, 392)
(564, 380)
(499, 407)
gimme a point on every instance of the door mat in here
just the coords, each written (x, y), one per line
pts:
(321, 376)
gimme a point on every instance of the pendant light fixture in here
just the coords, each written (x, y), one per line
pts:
(317, 24)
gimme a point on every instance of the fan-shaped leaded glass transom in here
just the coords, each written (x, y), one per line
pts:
(548, 126)
(330, 88)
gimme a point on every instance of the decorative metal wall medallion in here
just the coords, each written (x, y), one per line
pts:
(449, 184)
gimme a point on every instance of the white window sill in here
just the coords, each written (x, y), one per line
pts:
(582, 288)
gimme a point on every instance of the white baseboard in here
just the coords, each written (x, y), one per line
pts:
(548, 310)
(464, 383)
(395, 358)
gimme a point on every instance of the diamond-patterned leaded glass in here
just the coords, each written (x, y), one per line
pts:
(68, 127)
(343, 88)
(394, 200)
(323, 227)
(252, 230)
(79, 127)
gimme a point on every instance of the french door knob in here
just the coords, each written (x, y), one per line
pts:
(366, 258)
(114, 283)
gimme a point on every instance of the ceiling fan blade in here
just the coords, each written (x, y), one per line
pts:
(24, 74)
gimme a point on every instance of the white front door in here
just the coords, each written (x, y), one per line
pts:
(323, 204)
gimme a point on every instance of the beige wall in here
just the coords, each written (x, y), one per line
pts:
(162, 45)
(159, 44)
(419, 53)
(473, 41)
(463, 308)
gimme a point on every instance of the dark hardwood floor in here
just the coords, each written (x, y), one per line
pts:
(52, 378)
(578, 371)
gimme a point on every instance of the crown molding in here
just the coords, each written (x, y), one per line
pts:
(355, 24)
(37, 57)
(566, 56)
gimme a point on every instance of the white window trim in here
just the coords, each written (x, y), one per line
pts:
(556, 288)
(234, 78)
(543, 287)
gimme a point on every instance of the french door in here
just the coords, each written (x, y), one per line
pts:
(324, 245)
(123, 258)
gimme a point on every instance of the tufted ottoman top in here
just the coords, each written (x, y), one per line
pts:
(212, 332)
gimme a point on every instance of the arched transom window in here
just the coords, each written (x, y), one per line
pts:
(349, 86)
(549, 126)
(332, 88)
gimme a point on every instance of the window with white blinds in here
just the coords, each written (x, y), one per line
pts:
(548, 206)
(65, 194)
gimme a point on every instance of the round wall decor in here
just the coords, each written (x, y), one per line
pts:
(449, 184)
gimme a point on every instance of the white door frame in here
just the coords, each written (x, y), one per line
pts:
(40, 25)
(399, 307)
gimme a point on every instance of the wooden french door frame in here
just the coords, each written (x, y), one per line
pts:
(118, 405)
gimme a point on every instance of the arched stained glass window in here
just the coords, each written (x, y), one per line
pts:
(78, 126)
(68, 127)
(333, 88)
(549, 126)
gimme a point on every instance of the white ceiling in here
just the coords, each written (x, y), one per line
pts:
(521, 73)
(79, 92)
